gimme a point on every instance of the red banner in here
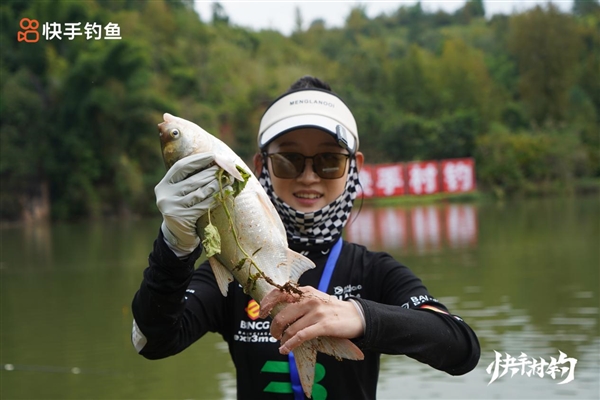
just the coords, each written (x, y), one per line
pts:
(423, 177)
(365, 176)
(458, 175)
(418, 178)
(389, 180)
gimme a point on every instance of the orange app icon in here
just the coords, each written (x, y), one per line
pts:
(252, 310)
(30, 26)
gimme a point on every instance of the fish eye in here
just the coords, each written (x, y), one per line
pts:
(175, 133)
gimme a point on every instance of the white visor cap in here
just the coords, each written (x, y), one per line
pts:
(309, 108)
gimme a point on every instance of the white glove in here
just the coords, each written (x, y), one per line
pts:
(184, 195)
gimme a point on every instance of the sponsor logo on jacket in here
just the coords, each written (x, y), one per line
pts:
(254, 331)
(343, 292)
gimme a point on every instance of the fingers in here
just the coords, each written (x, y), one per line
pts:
(202, 187)
(199, 182)
(315, 314)
(176, 180)
(193, 191)
(308, 333)
(187, 165)
(306, 310)
(288, 314)
(310, 311)
(273, 298)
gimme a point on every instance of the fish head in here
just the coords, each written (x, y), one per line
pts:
(180, 138)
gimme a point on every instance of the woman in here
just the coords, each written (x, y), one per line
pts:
(308, 163)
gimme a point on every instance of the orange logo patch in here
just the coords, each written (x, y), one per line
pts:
(252, 310)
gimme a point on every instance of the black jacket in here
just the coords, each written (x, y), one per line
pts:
(176, 305)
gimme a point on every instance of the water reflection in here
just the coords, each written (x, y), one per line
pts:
(524, 275)
(422, 229)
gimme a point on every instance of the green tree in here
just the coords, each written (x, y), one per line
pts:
(298, 20)
(78, 118)
(408, 137)
(25, 145)
(219, 16)
(471, 9)
(477, 8)
(106, 108)
(356, 23)
(585, 7)
(463, 80)
(545, 44)
(521, 162)
(416, 22)
(413, 82)
(585, 96)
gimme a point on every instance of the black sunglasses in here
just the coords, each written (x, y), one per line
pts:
(291, 165)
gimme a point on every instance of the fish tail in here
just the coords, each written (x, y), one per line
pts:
(306, 357)
(338, 348)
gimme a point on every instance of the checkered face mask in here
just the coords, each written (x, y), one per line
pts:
(318, 227)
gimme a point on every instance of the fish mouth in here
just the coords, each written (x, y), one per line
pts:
(163, 131)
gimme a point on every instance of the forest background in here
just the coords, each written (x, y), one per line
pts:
(520, 93)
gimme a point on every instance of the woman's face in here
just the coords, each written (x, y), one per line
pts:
(308, 192)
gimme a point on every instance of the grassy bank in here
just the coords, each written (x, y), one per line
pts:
(426, 199)
(583, 186)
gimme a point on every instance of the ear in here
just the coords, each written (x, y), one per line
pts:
(360, 159)
(258, 163)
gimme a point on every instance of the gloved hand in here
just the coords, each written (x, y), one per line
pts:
(183, 198)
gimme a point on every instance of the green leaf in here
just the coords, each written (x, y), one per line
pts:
(212, 241)
(241, 263)
(238, 186)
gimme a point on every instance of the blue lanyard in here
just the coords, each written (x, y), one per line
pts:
(323, 286)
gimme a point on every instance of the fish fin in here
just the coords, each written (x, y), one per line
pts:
(229, 166)
(337, 347)
(298, 265)
(222, 275)
(306, 358)
(168, 117)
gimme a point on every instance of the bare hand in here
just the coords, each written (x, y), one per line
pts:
(310, 315)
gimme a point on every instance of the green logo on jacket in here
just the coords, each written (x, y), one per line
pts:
(282, 367)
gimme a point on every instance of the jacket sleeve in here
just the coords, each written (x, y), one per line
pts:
(175, 305)
(405, 319)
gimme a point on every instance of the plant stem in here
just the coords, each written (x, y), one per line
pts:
(222, 198)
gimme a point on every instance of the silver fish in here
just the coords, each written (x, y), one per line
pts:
(253, 246)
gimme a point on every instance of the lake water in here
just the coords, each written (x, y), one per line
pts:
(525, 276)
